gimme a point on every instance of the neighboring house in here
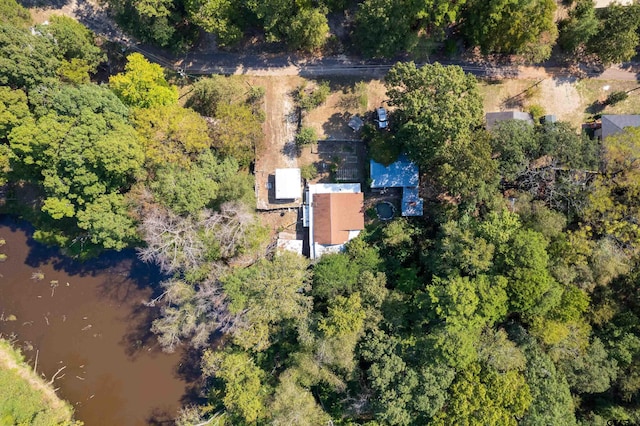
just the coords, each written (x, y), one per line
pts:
(334, 214)
(288, 184)
(402, 173)
(494, 117)
(612, 124)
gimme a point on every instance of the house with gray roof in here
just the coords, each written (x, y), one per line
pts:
(616, 123)
(495, 117)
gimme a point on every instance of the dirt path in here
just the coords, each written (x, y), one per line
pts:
(7, 361)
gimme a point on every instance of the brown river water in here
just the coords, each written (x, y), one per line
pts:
(88, 317)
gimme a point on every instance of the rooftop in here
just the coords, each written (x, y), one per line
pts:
(495, 117)
(401, 173)
(335, 215)
(412, 204)
(612, 124)
(288, 184)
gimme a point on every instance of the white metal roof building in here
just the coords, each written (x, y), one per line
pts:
(288, 184)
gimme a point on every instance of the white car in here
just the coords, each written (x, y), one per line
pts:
(381, 119)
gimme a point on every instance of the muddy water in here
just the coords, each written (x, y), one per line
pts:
(89, 319)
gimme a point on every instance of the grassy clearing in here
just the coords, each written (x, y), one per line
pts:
(504, 94)
(594, 90)
(26, 399)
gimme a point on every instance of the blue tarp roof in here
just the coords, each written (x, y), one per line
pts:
(412, 204)
(402, 173)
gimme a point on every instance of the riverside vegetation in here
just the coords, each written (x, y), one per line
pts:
(26, 399)
(512, 301)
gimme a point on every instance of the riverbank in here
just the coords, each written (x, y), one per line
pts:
(25, 398)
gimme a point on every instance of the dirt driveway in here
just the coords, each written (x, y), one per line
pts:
(278, 150)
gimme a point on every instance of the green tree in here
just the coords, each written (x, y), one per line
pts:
(75, 71)
(516, 145)
(13, 110)
(485, 398)
(436, 106)
(581, 25)
(592, 371)
(210, 92)
(306, 136)
(612, 202)
(524, 27)
(208, 182)
(143, 85)
(268, 294)
(26, 60)
(552, 403)
(72, 101)
(171, 134)
(14, 14)
(308, 29)
(293, 404)
(162, 22)
(237, 133)
(384, 28)
(616, 39)
(405, 394)
(73, 41)
(531, 286)
(467, 171)
(460, 250)
(84, 163)
(219, 17)
(244, 395)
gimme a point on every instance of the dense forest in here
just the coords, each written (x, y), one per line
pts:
(512, 301)
(386, 28)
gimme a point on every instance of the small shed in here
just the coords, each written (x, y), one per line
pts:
(288, 184)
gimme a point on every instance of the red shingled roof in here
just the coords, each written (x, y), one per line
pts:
(335, 214)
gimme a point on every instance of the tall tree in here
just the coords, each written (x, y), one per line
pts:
(616, 39)
(437, 106)
(171, 134)
(524, 27)
(581, 25)
(143, 84)
(268, 294)
(26, 60)
(73, 41)
(85, 163)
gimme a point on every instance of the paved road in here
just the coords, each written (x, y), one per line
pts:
(289, 64)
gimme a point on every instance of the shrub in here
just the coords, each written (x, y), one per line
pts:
(306, 136)
(615, 97)
(536, 112)
(309, 172)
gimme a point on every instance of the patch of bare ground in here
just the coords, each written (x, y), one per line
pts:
(330, 120)
(279, 221)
